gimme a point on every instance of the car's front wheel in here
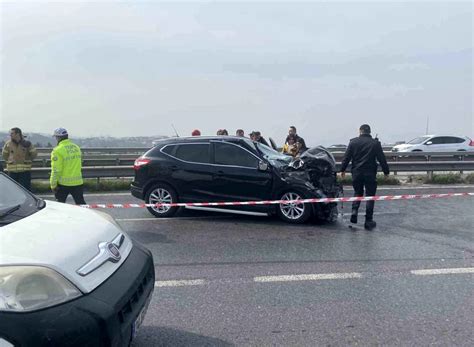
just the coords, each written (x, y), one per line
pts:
(161, 194)
(293, 212)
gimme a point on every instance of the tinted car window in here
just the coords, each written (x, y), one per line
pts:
(438, 140)
(196, 153)
(170, 149)
(226, 154)
(453, 139)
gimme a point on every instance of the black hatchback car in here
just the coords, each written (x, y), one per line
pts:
(227, 168)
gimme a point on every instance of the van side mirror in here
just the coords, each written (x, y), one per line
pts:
(262, 166)
(429, 143)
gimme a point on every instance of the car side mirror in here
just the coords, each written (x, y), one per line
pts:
(262, 166)
(429, 143)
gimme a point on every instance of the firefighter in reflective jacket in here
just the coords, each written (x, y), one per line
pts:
(18, 154)
(66, 169)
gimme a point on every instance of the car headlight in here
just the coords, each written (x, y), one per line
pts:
(29, 288)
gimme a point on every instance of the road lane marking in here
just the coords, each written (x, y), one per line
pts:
(307, 277)
(428, 272)
(179, 283)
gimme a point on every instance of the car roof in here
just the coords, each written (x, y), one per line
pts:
(194, 139)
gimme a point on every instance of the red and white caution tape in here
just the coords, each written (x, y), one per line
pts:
(277, 202)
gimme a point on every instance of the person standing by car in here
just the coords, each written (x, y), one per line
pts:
(66, 169)
(289, 147)
(364, 152)
(240, 133)
(300, 147)
(257, 137)
(19, 154)
(292, 133)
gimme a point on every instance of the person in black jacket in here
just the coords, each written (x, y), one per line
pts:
(364, 152)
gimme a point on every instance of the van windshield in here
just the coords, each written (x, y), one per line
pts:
(15, 202)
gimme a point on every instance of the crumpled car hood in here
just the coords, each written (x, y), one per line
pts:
(317, 168)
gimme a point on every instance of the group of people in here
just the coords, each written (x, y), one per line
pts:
(294, 144)
(66, 164)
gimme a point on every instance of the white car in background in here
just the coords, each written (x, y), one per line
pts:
(68, 276)
(436, 143)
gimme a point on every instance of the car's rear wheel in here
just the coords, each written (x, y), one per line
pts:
(293, 212)
(161, 194)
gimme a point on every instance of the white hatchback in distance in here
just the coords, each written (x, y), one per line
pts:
(436, 143)
(68, 276)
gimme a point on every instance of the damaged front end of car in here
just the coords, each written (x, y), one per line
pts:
(316, 169)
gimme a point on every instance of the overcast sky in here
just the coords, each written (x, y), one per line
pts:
(135, 68)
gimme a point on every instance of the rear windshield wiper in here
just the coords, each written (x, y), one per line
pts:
(10, 211)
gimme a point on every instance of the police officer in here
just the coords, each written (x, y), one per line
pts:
(66, 169)
(364, 152)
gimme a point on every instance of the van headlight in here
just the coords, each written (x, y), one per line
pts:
(29, 288)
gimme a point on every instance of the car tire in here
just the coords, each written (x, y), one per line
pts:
(161, 193)
(294, 213)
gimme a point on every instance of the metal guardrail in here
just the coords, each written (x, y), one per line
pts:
(118, 162)
(119, 157)
(127, 171)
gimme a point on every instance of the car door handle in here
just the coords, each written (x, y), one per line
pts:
(219, 173)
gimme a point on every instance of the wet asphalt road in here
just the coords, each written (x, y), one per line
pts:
(378, 299)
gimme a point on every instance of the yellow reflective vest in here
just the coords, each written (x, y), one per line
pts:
(66, 165)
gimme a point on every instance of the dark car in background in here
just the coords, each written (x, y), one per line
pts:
(227, 168)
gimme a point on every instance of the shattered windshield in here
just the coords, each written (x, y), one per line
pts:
(275, 158)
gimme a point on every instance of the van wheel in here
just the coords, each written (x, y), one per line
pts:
(161, 194)
(296, 213)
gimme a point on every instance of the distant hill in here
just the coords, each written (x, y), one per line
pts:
(41, 140)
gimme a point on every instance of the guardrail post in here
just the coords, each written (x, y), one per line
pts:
(97, 183)
(430, 175)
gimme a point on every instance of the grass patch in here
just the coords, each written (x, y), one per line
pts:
(469, 178)
(449, 178)
(90, 185)
(381, 180)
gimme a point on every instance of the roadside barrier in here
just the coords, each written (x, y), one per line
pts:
(277, 202)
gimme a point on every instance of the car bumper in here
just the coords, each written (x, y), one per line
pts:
(136, 192)
(104, 317)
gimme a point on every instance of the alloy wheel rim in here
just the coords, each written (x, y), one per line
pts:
(160, 196)
(292, 211)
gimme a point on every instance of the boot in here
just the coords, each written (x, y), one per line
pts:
(354, 216)
(369, 224)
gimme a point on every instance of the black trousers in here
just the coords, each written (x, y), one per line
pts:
(77, 193)
(361, 181)
(24, 178)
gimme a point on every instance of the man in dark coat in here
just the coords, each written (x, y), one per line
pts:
(364, 152)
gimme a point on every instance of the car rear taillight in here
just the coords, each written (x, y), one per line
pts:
(140, 162)
(471, 143)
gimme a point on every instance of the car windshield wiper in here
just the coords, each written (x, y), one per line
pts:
(10, 211)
